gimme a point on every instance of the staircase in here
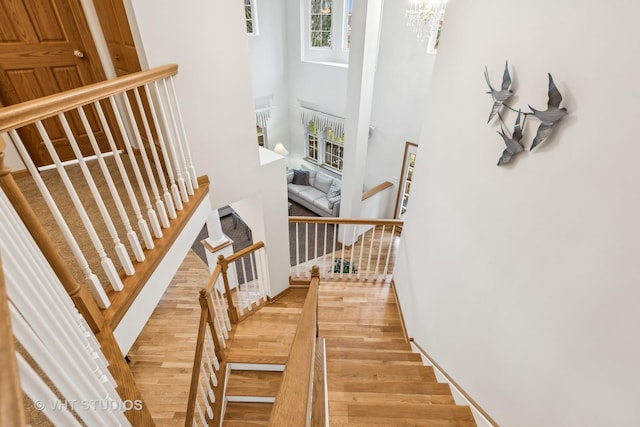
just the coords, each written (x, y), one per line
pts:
(256, 358)
(374, 378)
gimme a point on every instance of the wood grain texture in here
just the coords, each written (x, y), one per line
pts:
(83, 301)
(11, 405)
(373, 376)
(28, 112)
(122, 300)
(377, 189)
(291, 407)
(162, 356)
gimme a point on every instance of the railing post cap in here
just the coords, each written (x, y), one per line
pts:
(315, 271)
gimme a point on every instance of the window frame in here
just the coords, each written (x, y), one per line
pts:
(336, 54)
(324, 141)
(251, 4)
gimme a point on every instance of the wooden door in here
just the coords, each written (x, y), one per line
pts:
(117, 33)
(46, 48)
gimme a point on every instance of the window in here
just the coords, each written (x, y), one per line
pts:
(324, 139)
(320, 23)
(347, 24)
(250, 17)
(333, 149)
(312, 141)
(262, 135)
(326, 33)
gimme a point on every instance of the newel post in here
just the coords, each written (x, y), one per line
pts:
(81, 297)
(224, 266)
(315, 280)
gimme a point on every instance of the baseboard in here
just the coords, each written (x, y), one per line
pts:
(460, 396)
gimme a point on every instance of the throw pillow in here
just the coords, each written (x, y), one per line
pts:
(300, 177)
(333, 195)
(289, 177)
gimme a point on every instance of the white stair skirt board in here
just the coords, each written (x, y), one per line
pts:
(256, 367)
(458, 397)
(251, 399)
(138, 314)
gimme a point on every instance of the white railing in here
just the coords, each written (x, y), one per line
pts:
(55, 336)
(344, 249)
(129, 163)
(246, 270)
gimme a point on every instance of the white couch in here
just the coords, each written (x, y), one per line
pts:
(319, 196)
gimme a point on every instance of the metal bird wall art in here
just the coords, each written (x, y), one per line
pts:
(499, 96)
(514, 146)
(548, 118)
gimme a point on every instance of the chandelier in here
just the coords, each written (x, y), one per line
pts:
(424, 17)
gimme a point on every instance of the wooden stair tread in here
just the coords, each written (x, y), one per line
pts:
(373, 356)
(257, 359)
(356, 343)
(391, 413)
(382, 386)
(376, 371)
(248, 412)
(349, 397)
(253, 383)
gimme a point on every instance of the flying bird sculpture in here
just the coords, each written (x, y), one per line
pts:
(550, 116)
(514, 146)
(499, 96)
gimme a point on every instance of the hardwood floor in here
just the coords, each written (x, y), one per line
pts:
(162, 356)
(373, 376)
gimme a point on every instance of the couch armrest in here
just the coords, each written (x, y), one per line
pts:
(336, 209)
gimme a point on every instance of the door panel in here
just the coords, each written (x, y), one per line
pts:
(37, 59)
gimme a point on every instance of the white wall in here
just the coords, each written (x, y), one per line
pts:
(521, 281)
(269, 67)
(403, 76)
(209, 43)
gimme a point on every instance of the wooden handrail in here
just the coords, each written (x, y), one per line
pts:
(25, 113)
(377, 189)
(80, 295)
(11, 405)
(294, 399)
(206, 317)
(347, 221)
(223, 263)
(244, 252)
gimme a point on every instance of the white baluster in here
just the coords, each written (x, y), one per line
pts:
(67, 353)
(353, 248)
(306, 248)
(39, 392)
(180, 193)
(201, 415)
(71, 388)
(162, 211)
(153, 218)
(361, 252)
(165, 191)
(323, 274)
(105, 261)
(131, 234)
(203, 397)
(121, 251)
(379, 251)
(183, 162)
(386, 264)
(297, 249)
(335, 239)
(92, 281)
(373, 235)
(344, 240)
(216, 363)
(185, 141)
(315, 242)
(142, 223)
